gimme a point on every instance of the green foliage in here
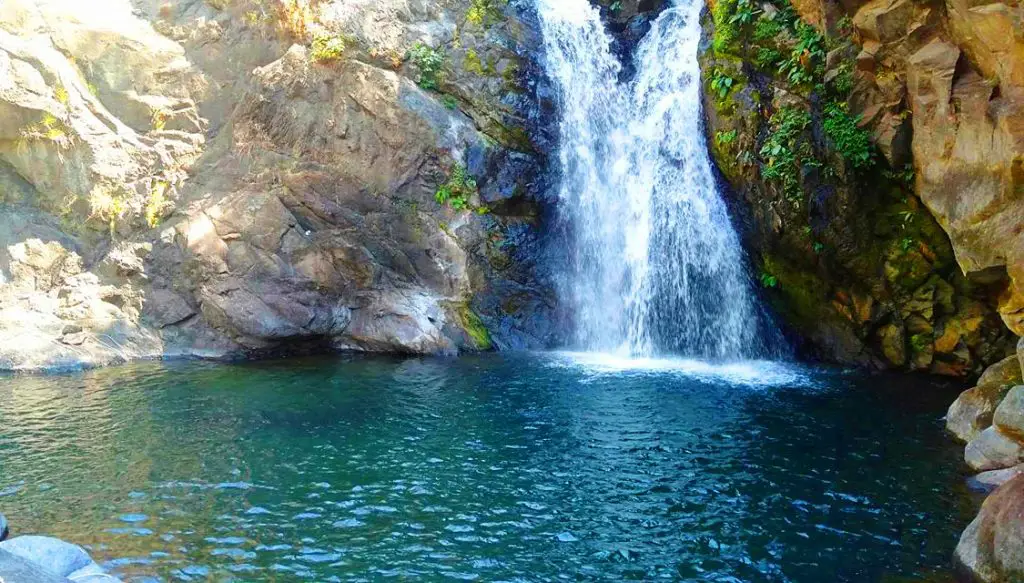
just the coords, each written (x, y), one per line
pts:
(458, 190)
(430, 62)
(726, 31)
(768, 281)
(767, 30)
(904, 176)
(721, 83)
(786, 151)
(725, 138)
(450, 102)
(805, 65)
(907, 243)
(486, 13)
(327, 48)
(768, 59)
(842, 84)
(744, 13)
(851, 141)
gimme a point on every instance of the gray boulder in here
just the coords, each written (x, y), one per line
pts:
(53, 556)
(993, 450)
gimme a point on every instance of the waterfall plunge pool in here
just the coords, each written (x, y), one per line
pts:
(511, 467)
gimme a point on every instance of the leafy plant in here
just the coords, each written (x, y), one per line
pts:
(769, 281)
(327, 48)
(430, 62)
(721, 83)
(767, 30)
(851, 141)
(906, 244)
(450, 102)
(805, 64)
(458, 190)
(725, 138)
(745, 12)
(786, 150)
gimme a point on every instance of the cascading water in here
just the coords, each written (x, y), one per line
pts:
(657, 267)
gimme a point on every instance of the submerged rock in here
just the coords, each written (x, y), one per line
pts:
(49, 559)
(988, 481)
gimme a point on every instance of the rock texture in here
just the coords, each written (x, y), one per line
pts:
(831, 124)
(873, 149)
(255, 176)
(992, 547)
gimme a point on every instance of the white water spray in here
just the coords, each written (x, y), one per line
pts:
(657, 267)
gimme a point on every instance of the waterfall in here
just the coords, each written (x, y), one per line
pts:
(656, 266)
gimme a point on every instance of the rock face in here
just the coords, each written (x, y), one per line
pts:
(873, 149)
(844, 180)
(255, 176)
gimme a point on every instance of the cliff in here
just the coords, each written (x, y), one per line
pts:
(238, 177)
(873, 154)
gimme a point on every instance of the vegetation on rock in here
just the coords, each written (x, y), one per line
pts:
(849, 255)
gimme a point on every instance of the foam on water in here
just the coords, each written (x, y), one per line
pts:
(753, 373)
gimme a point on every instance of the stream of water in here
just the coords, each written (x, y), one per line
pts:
(657, 268)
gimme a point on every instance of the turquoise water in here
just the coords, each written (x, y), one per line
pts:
(493, 468)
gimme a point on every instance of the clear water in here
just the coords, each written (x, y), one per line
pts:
(656, 265)
(494, 468)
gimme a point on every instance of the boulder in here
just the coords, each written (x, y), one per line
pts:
(16, 569)
(993, 450)
(972, 412)
(1009, 416)
(57, 558)
(988, 481)
(991, 550)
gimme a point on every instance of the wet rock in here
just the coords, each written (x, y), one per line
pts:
(988, 481)
(993, 450)
(55, 557)
(4, 529)
(14, 568)
(991, 550)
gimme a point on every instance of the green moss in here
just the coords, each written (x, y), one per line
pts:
(798, 294)
(486, 13)
(474, 327)
(473, 64)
